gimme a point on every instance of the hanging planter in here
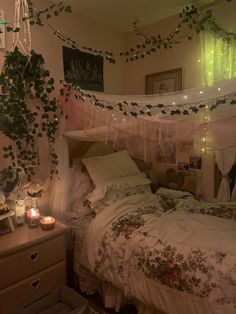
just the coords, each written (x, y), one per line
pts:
(28, 111)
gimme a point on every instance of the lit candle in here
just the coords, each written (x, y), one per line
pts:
(33, 217)
(47, 223)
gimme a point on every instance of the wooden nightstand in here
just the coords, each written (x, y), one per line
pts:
(32, 263)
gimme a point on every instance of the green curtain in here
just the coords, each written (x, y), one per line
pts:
(219, 58)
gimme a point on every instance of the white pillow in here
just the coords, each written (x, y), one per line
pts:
(108, 167)
(121, 183)
(173, 193)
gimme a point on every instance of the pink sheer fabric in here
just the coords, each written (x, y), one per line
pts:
(144, 136)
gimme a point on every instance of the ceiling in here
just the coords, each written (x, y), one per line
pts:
(120, 14)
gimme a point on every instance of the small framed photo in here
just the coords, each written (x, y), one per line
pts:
(164, 82)
(183, 165)
(195, 162)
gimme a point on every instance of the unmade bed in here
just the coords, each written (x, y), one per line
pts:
(165, 252)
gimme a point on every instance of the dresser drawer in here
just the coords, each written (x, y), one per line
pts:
(23, 293)
(22, 264)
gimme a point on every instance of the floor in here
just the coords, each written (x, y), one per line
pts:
(96, 302)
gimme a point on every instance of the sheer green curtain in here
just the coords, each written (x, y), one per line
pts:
(219, 58)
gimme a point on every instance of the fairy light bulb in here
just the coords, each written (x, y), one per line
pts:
(204, 139)
(173, 103)
(201, 92)
(203, 149)
(185, 96)
(219, 89)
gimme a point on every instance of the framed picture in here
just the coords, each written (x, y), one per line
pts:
(2, 30)
(164, 82)
(195, 162)
(83, 69)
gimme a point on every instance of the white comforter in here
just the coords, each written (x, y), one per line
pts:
(159, 252)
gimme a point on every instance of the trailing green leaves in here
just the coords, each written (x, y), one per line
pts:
(134, 109)
(27, 111)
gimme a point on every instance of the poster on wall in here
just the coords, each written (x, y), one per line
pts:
(83, 69)
(2, 30)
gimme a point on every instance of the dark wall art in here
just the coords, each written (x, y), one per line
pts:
(83, 69)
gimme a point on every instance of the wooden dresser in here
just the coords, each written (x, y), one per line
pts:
(32, 263)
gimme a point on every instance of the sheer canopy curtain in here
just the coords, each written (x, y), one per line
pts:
(218, 57)
(61, 184)
(225, 160)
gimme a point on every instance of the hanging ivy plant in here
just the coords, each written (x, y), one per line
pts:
(27, 111)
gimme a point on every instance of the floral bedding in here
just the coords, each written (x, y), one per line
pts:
(148, 241)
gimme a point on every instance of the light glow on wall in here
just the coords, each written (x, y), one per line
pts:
(218, 59)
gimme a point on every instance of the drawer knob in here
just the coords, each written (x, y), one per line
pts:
(34, 256)
(35, 284)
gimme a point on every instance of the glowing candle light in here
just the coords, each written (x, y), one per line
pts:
(47, 223)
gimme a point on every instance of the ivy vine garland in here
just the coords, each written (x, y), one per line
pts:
(191, 22)
(27, 111)
(133, 109)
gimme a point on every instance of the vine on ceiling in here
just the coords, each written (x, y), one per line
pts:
(191, 23)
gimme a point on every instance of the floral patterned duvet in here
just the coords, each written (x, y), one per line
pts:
(154, 248)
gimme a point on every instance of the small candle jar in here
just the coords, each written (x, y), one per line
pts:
(19, 212)
(47, 223)
(33, 217)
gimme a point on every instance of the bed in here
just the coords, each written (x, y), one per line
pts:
(166, 252)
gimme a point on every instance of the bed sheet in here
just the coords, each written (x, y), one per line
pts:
(160, 252)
